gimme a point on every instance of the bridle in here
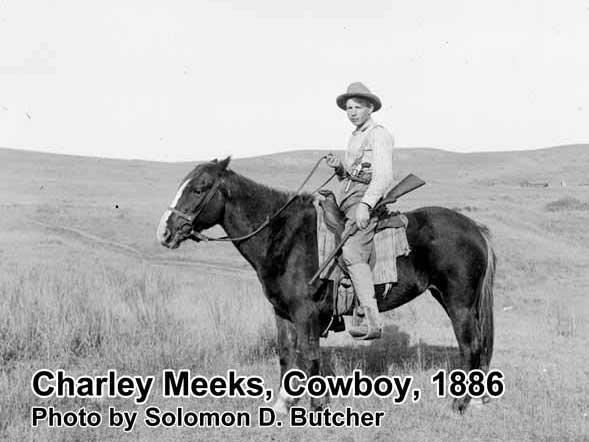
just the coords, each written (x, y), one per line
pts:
(190, 219)
(198, 236)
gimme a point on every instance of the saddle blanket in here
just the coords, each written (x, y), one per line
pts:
(388, 245)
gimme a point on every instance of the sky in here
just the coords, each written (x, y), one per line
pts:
(194, 80)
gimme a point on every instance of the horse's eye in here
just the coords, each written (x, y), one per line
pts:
(202, 188)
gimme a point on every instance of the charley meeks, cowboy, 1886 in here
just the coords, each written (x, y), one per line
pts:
(366, 175)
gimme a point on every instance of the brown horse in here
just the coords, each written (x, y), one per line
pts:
(450, 255)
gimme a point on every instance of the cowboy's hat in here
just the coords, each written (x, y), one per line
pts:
(358, 89)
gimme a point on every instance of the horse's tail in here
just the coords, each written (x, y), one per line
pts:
(484, 303)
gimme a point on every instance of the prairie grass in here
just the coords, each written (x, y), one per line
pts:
(60, 314)
(90, 320)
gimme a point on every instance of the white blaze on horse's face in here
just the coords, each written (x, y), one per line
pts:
(179, 194)
(162, 228)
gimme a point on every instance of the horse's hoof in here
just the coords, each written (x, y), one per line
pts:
(459, 405)
(283, 403)
(478, 403)
(280, 409)
(318, 404)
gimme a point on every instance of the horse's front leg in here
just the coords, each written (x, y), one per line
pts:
(307, 349)
(298, 347)
(287, 341)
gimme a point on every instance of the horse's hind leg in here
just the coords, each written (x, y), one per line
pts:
(464, 324)
(467, 334)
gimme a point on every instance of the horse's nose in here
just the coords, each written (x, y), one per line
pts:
(163, 233)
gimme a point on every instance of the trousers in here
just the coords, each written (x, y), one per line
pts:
(360, 246)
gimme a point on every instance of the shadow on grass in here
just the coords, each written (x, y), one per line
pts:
(389, 354)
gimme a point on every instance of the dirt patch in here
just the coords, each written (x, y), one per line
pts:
(566, 204)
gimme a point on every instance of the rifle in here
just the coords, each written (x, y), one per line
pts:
(403, 187)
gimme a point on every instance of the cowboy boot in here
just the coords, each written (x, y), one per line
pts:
(371, 325)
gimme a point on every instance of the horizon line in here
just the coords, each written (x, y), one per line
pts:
(294, 150)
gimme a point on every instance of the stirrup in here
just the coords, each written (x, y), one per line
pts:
(365, 333)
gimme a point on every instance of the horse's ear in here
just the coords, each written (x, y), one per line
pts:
(224, 163)
(215, 161)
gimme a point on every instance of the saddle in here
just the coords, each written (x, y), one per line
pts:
(335, 219)
(390, 241)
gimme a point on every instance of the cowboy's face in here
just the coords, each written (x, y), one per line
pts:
(358, 111)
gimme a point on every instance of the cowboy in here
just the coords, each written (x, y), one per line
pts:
(366, 175)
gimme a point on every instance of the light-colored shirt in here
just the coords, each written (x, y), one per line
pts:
(371, 144)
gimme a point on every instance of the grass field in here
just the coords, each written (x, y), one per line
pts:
(85, 287)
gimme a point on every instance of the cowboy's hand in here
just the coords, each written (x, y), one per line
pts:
(333, 161)
(362, 216)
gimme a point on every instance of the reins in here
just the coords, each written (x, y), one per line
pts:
(213, 190)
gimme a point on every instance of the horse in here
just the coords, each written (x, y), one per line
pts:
(451, 256)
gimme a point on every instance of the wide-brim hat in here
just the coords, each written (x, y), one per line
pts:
(358, 89)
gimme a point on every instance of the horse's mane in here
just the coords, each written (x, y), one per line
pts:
(241, 187)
